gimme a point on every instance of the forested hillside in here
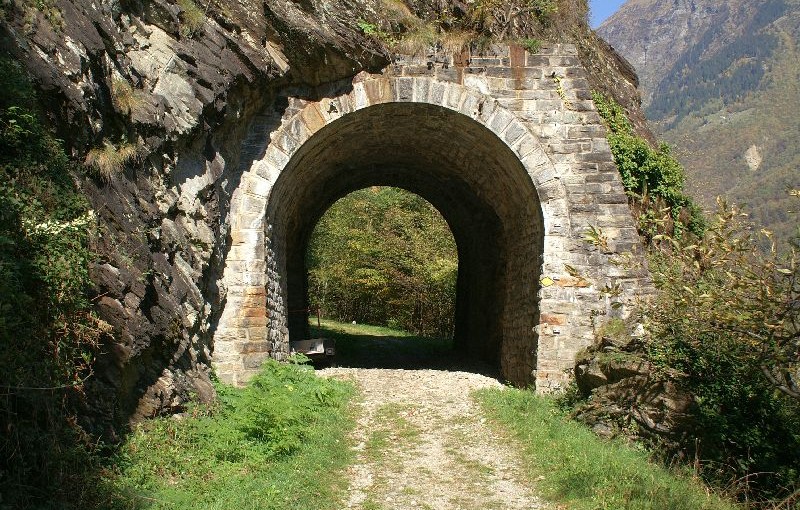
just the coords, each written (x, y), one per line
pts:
(719, 80)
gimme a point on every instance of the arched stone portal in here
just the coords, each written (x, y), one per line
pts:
(511, 156)
(475, 180)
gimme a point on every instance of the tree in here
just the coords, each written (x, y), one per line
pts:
(384, 256)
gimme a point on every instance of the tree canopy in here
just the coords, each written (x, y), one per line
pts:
(384, 256)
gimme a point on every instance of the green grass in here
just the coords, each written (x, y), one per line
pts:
(577, 468)
(344, 328)
(361, 345)
(279, 443)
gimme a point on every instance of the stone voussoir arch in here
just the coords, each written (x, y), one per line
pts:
(254, 323)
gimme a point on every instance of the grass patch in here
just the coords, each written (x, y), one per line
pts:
(279, 443)
(110, 159)
(343, 329)
(583, 471)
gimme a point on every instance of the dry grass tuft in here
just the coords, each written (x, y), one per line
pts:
(417, 41)
(124, 97)
(455, 41)
(110, 159)
(398, 11)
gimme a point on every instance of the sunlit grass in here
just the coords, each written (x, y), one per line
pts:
(279, 443)
(577, 468)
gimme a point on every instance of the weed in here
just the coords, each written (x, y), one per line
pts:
(398, 11)
(418, 41)
(192, 17)
(561, 92)
(615, 328)
(531, 45)
(454, 41)
(109, 160)
(124, 97)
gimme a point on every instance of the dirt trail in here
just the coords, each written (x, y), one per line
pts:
(422, 443)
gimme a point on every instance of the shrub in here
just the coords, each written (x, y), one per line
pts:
(652, 177)
(728, 319)
(47, 333)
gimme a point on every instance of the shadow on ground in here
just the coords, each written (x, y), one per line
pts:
(368, 347)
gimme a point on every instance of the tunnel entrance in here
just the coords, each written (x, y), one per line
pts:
(464, 170)
(507, 145)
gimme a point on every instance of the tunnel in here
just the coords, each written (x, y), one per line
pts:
(464, 170)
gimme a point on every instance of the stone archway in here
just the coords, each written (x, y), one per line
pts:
(477, 155)
(484, 193)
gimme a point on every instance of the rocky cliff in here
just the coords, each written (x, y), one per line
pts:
(156, 97)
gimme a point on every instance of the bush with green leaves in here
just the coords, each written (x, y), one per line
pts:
(47, 333)
(727, 320)
(653, 178)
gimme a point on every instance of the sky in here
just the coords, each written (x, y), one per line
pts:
(601, 9)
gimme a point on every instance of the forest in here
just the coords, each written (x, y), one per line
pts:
(729, 74)
(384, 256)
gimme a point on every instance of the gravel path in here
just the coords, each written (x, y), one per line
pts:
(422, 443)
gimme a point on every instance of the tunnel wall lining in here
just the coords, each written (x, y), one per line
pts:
(540, 106)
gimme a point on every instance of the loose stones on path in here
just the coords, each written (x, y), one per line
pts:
(422, 443)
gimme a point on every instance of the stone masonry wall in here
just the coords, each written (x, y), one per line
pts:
(539, 106)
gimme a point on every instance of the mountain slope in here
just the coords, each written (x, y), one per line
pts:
(720, 80)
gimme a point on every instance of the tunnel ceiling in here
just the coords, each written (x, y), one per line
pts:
(455, 163)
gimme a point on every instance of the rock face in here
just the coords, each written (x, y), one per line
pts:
(186, 85)
(625, 392)
(179, 89)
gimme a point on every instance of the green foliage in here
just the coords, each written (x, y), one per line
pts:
(648, 174)
(384, 256)
(374, 30)
(531, 44)
(47, 334)
(728, 319)
(192, 17)
(278, 443)
(731, 72)
(582, 471)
